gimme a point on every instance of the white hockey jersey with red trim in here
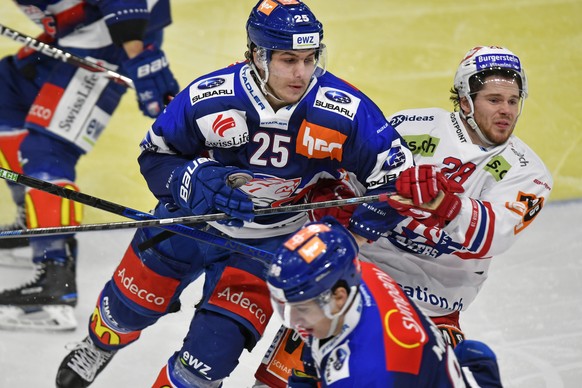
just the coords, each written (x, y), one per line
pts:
(506, 187)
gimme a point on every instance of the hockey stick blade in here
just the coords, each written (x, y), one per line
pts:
(57, 53)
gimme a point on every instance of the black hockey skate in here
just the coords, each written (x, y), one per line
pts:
(46, 302)
(18, 224)
(82, 365)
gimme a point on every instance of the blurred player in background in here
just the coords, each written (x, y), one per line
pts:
(52, 113)
(485, 187)
(276, 124)
(360, 327)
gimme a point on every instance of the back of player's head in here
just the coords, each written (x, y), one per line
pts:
(283, 25)
(313, 261)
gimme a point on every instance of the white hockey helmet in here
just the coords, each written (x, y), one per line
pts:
(482, 59)
(476, 65)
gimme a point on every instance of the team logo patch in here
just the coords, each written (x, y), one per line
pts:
(271, 191)
(337, 366)
(337, 101)
(528, 206)
(317, 142)
(212, 87)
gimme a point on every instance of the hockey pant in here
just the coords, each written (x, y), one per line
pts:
(147, 284)
(10, 139)
(285, 352)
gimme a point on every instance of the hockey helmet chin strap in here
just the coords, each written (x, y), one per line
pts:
(263, 57)
(473, 124)
(326, 306)
(263, 81)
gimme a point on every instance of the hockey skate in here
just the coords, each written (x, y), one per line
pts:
(18, 224)
(46, 302)
(82, 365)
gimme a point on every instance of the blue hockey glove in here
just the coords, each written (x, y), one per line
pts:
(478, 360)
(299, 379)
(205, 186)
(154, 82)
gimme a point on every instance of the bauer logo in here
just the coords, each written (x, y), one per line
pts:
(305, 41)
(212, 87)
(337, 101)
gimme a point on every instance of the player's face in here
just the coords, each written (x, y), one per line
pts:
(497, 107)
(290, 73)
(308, 317)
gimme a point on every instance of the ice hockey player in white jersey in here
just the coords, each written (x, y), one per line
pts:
(362, 330)
(499, 185)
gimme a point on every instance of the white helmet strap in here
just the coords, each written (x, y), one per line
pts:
(473, 124)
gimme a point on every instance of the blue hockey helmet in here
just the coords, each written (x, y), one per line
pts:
(313, 261)
(283, 25)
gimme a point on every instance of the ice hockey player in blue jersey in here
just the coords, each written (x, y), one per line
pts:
(255, 134)
(360, 328)
(52, 113)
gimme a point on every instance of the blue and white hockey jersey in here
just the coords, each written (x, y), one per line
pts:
(385, 341)
(332, 131)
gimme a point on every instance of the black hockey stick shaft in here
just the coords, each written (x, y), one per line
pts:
(151, 221)
(111, 207)
(59, 54)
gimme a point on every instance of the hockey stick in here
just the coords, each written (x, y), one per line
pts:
(57, 53)
(120, 210)
(150, 220)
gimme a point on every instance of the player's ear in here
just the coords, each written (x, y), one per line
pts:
(340, 297)
(464, 105)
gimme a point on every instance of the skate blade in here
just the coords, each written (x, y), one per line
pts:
(16, 258)
(38, 318)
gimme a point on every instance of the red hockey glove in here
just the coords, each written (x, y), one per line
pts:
(330, 190)
(417, 197)
(418, 183)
